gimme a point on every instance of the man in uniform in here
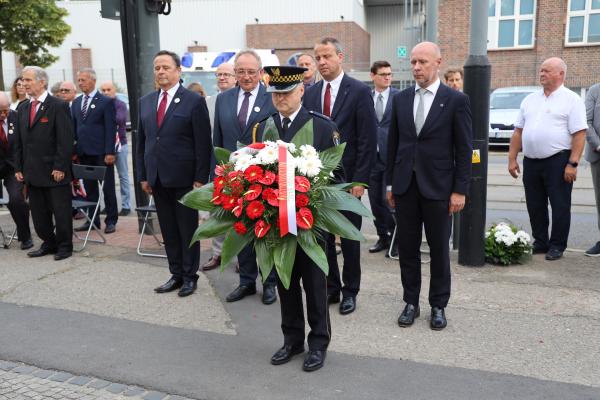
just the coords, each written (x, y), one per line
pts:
(287, 91)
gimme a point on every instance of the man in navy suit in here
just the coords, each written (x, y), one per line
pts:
(95, 127)
(349, 103)
(173, 157)
(237, 111)
(381, 74)
(18, 207)
(428, 174)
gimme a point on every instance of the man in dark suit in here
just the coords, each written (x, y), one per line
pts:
(349, 103)
(428, 173)
(173, 157)
(18, 207)
(42, 150)
(287, 90)
(95, 127)
(381, 74)
(236, 112)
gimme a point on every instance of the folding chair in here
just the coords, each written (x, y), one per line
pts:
(91, 172)
(146, 211)
(389, 253)
(7, 239)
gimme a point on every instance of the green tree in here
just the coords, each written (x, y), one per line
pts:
(28, 28)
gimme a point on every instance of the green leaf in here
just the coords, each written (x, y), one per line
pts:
(222, 155)
(212, 227)
(309, 244)
(305, 135)
(270, 133)
(284, 256)
(232, 245)
(334, 222)
(337, 199)
(264, 258)
(331, 158)
(199, 199)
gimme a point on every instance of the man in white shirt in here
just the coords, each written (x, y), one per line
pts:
(550, 130)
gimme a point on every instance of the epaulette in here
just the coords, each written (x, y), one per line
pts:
(316, 114)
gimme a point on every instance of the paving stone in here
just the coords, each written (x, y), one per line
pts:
(61, 377)
(115, 388)
(99, 384)
(80, 380)
(43, 373)
(24, 369)
(133, 391)
(154, 396)
(7, 365)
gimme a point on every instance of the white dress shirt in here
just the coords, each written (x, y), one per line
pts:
(90, 97)
(385, 94)
(170, 95)
(41, 98)
(251, 100)
(335, 87)
(549, 121)
(291, 117)
(428, 97)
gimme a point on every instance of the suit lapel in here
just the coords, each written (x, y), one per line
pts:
(259, 103)
(41, 110)
(319, 89)
(341, 97)
(92, 105)
(153, 122)
(174, 104)
(439, 102)
(409, 111)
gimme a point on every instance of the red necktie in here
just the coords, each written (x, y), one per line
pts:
(33, 111)
(327, 101)
(3, 137)
(162, 107)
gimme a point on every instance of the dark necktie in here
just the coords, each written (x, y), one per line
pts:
(327, 101)
(33, 111)
(84, 108)
(162, 108)
(3, 137)
(243, 114)
(285, 124)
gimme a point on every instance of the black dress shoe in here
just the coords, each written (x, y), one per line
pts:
(187, 288)
(313, 360)
(62, 256)
(26, 244)
(553, 254)
(110, 228)
(42, 251)
(286, 353)
(82, 228)
(438, 319)
(333, 298)
(124, 212)
(539, 249)
(269, 295)
(408, 315)
(348, 305)
(169, 286)
(213, 263)
(382, 244)
(240, 292)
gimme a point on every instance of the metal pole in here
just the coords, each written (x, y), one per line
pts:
(431, 20)
(477, 86)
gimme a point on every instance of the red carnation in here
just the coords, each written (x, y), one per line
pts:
(219, 170)
(261, 228)
(268, 178)
(302, 184)
(253, 192)
(304, 218)
(301, 200)
(257, 146)
(255, 209)
(229, 202)
(271, 196)
(237, 210)
(253, 173)
(217, 197)
(240, 228)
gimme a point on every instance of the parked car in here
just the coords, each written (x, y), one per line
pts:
(504, 108)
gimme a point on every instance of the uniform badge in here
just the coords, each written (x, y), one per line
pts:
(176, 100)
(257, 109)
(336, 138)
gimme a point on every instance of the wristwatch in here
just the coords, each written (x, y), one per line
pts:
(573, 164)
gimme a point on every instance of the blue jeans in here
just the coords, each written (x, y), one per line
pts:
(123, 170)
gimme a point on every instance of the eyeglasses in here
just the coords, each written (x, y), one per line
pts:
(249, 72)
(65, 90)
(225, 75)
(385, 74)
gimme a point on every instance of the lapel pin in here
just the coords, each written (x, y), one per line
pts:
(42, 108)
(93, 106)
(176, 100)
(257, 109)
(10, 131)
(441, 104)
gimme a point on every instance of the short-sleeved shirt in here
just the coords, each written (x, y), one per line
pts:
(548, 122)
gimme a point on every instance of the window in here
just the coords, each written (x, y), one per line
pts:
(511, 24)
(583, 22)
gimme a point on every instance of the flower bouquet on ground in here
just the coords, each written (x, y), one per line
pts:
(505, 244)
(278, 196)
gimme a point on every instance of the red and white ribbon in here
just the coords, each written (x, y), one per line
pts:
(287, 194)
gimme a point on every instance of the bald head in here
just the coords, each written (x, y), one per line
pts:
(4, 106)
(425, 60)
(552, 74)
(109, 89)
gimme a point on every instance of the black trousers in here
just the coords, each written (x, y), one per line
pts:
(177, 224)
(351, 254)
(413, 211)
(314, 282)
(110, 196)
(544, 180)
(18, 207)
(384, 222)
(249, 268)
(52, 202)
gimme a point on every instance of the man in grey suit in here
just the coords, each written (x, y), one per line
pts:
(237, 111)
(592, 150)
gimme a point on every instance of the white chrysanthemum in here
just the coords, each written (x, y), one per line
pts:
(268, 155)
(233, 157)
(310, 166)
(509, 240)
(270, 143)
(244, 161)
(523, 237)
(290, 146)
(487, 234)
(308, 151)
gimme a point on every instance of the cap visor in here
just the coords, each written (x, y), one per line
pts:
(281, 89)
